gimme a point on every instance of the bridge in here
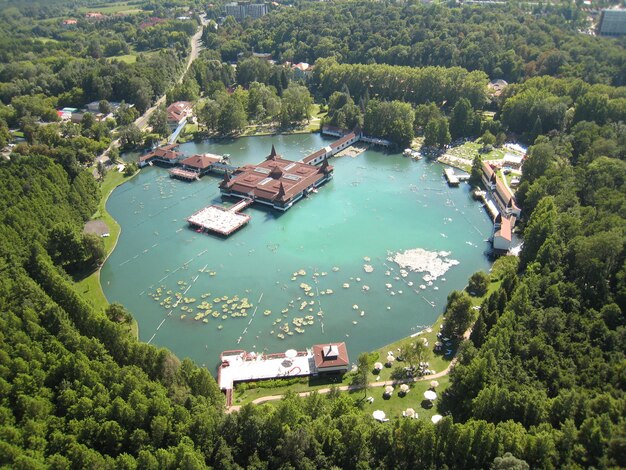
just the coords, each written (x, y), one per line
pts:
(224, 167)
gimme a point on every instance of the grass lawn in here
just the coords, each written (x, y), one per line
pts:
(244, 395)
(313, 125)
(397, 403)
(127, 58)
(468, 150)
(110, 8)
(89, 287)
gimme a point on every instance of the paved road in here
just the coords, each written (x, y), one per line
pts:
(142, 121)
(196, 47)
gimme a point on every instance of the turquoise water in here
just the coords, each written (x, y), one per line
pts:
(376, 204)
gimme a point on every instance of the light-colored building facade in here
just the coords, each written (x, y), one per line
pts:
(612, 22)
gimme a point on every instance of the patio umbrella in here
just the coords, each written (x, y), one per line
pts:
(378, 366)
(388, 389)
(390, 359)
(410, 413)
(430, 395)
(436, 418)
(404, 388)
(434, 384)
(291, 353)
(379, 415)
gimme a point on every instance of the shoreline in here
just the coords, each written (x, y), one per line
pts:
(94, 278)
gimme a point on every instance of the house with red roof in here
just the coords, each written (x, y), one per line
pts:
(178, 112)
(331, 357)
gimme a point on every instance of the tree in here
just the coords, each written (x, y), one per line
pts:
(117, 313)
(296, 105)
(105, 107)
(102, 170)
(130, 136)
(363, 371)
(93, 247)
(415, 352)
(477, 171)
(463, 121)
(509, 462)
(158, 121)
(478, 284)
(458, 314)
(65, 244)
(263, 102)
(393, 120)
(488, 140)
(126, 114)
(232, 117)
(437, 133)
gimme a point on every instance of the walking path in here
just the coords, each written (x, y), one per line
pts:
(351, 388)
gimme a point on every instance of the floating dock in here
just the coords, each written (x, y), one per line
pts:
(452, 178)
(220, 220)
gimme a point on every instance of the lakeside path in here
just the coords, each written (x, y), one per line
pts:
(353, 388)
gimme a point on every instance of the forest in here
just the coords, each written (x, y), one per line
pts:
(504, 41)
(540, 383)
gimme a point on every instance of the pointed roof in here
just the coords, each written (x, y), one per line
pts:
(276, 172)
(226, 179)
(281, 192)
(273, 155)
(324, 167)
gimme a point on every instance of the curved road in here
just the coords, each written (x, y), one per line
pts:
(142, 121)
(196, 47)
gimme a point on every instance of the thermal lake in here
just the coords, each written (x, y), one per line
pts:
(323, 271)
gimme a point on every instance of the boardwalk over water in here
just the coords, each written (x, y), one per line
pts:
(220, 220)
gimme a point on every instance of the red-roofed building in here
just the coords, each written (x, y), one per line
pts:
(94, 15)
(276, 182)
(502, 233)
(167, 154)
(332, 357)
(178, 112)
(201, 163)
(488, 176)
(70, 22)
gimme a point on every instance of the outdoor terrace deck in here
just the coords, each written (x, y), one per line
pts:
(240, 366)
(219, 220)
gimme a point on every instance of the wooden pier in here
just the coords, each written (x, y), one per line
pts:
(220, 220)
(453, 178)
(184, 174)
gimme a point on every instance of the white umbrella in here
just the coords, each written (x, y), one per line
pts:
(404, 388)
(388, 389)
(291, 353)
(410, 413)
(379, 415)
(436, 418)
(378, 366)
(390, 359)
(430, 395)
(434, 384)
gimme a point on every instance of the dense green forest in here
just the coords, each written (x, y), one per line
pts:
(541, 382)
(501, 40)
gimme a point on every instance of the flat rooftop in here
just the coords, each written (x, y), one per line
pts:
(219, 220)
(244, 366)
